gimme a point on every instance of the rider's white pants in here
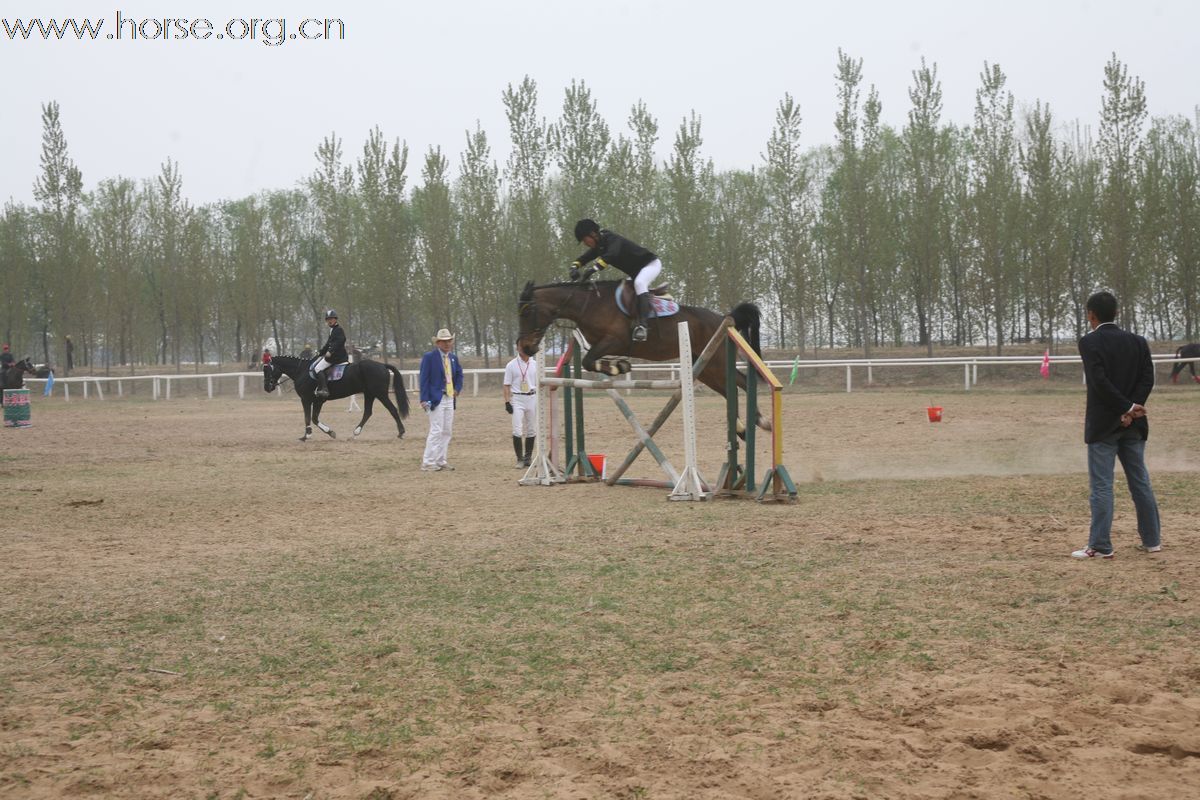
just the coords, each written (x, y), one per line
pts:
(641, 284)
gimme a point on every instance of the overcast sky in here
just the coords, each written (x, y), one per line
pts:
(241, 116)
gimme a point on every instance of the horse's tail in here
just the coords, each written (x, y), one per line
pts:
(746, 318)
(401, 392)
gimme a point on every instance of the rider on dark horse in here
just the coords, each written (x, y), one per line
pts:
(6, 359)
(610, 249)
(332, 352)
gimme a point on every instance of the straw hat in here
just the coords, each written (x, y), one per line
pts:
(443, 335)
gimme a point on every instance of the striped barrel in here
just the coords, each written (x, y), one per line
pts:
(16, 408)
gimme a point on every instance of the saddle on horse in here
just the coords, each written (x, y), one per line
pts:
(661, 302)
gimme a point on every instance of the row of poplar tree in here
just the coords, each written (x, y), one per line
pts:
(984, 234)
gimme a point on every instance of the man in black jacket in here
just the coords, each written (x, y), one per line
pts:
(1120, 377)
(332, 352)
(609, 249)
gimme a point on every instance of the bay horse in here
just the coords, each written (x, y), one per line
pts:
(369, 378)
(14, 377)
(591, 305)
(1187, 351)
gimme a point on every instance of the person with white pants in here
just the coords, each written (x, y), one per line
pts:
(441, 382)
(610, 249)
(520, 400)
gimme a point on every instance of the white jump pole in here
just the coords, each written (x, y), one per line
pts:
(691, 485)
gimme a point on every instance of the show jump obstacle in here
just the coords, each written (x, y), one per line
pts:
(685, 484)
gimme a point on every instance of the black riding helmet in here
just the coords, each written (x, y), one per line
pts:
(584, 227)
(331, 314)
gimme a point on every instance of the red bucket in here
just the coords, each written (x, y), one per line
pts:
(935, 413)
(599, 464)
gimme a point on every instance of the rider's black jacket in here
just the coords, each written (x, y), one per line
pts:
(617, 251)
(334, 348)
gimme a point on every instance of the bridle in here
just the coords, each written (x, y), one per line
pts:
(531, 305)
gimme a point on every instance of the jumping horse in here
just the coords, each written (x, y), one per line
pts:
(14, 377)
(369, 378)
(591, 305)
(1187, 351)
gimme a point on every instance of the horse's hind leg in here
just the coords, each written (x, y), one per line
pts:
(395, 412)
(368, 403)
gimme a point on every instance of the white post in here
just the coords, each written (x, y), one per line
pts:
(847, 378)
(974, 372)
(66, 391)
(99, 389)
(85, 391)
(168, 382)
(690, 485)
(474, 384)
(210, 387)
(870, 375)
(966, 377)
(120, 389)
(241, 387)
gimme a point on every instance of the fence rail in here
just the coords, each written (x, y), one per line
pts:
(161, 385)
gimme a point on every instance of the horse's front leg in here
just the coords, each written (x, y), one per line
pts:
(597, 357)
(316, 418)
(307, 421)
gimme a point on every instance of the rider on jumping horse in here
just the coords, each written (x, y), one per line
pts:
(332, 352)
(610, 249)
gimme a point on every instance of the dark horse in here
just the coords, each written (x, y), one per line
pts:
(14, 377)
(1187, 351)
(370, 378)
(592, 306)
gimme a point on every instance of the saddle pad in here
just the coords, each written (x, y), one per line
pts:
(334, 373)
(659, 306)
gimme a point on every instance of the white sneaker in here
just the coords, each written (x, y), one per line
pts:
(1088, 552)
(446, 467)
(1141, 548)
(429, 468)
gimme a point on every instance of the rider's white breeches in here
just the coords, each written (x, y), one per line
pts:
(641, 284)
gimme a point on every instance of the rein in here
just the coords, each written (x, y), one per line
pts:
(567, 297)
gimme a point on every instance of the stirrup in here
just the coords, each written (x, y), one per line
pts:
(639, 333)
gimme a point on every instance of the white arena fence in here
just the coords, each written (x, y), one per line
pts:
(164, 387)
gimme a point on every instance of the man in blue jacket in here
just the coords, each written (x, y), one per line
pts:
(441, 381)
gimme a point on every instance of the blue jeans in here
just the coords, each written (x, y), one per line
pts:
(1130, 448)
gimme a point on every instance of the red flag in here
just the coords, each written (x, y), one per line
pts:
(1045, 370)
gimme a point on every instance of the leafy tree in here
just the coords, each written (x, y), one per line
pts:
(922, 213)
(1122, 118)
(59, 189)
(788, 222)
(994, 198)
(1044, 220)
(478, 203)
(689, 213)
(115, 230)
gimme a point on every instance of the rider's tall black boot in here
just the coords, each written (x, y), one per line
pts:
(643, 315)
(517, 450)
(529, 450)
(322, 384)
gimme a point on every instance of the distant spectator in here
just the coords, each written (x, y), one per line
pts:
(70, 355)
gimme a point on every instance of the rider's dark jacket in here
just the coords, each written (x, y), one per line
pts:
(616, 251)
(334, 349)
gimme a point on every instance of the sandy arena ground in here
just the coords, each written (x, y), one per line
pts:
(196, 605)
